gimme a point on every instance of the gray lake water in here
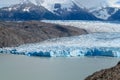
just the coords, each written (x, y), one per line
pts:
(16, 67)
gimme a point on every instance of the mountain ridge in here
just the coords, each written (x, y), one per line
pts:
(29, 11)
(56, 10)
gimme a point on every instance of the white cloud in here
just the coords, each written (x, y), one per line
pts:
(114, 3)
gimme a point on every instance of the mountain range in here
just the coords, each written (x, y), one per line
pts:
(57, 10)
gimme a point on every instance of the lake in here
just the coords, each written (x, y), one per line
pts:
(20, 67)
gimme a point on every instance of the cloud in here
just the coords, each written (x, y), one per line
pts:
(114, 3)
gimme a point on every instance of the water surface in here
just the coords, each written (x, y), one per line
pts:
(16, 67)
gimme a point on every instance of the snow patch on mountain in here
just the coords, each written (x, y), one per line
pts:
(52, 5)
(26, 9)
(104, 13)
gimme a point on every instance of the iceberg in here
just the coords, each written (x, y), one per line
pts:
(93, 44)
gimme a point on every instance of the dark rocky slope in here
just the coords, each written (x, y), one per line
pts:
(16, 33)
(107, 74)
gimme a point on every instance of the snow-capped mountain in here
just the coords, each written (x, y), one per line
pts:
(111, 14)
(104, 12)
(68, 9)
(53, 5)
(57, 9)
(27, 10)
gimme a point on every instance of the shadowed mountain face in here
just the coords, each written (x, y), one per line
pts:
(107, 74)
(16, 33)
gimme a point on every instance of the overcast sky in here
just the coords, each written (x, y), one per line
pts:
(87, 3)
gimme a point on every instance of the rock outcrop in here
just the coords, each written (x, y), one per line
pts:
(106, 74)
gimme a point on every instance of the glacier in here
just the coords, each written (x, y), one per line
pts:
(93, 44)
(90, 26)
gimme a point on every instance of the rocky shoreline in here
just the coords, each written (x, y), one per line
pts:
(106, 74)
